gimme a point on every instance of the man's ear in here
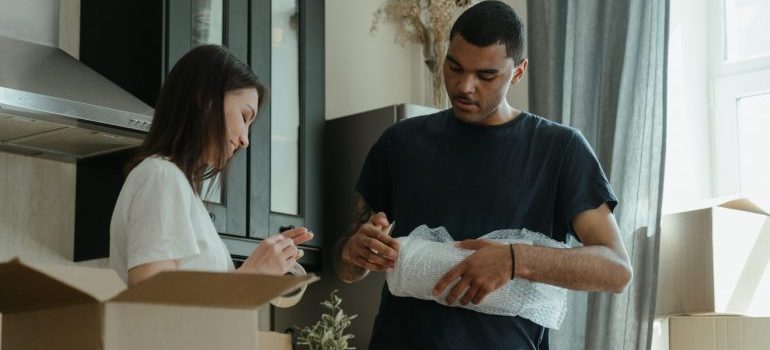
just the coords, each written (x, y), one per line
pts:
(519, 70)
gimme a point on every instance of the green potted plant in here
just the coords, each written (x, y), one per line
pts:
(329, 332)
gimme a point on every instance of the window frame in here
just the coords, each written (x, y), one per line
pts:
(730, 81)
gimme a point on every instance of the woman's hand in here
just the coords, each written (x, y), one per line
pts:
(298, 235)
(273, 256)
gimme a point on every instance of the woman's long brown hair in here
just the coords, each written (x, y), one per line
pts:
(189, 116)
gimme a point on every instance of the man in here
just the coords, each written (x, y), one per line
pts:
(478, 167)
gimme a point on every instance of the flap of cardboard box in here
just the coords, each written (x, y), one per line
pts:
(744, 204)
(212, 289)
(36, 286)
(100, 283)
(728, 202)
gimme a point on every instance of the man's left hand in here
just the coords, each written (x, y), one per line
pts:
(481, 273)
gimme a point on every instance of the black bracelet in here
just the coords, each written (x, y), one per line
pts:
(513, 262)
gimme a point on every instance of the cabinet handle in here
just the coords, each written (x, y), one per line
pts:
(213, 216)
(285, 228)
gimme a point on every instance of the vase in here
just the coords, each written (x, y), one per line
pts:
(433, 54)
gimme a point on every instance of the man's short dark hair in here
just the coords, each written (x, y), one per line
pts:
(492, 22)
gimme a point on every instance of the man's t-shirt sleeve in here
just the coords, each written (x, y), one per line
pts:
(582, 182)
(374, 182)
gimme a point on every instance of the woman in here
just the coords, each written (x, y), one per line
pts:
(203, 116)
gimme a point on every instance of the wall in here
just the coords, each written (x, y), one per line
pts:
(363, 70)
(37, 213)
(17, 15)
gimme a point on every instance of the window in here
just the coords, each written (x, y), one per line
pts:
(740, 72)
(753, 113)
(718, 102)
(746, 29)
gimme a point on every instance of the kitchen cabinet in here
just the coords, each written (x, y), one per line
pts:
(136, 43)
(287, 52)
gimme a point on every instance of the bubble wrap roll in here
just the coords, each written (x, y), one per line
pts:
(427, 254)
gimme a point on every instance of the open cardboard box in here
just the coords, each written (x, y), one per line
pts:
(72, 307)
(715, 260)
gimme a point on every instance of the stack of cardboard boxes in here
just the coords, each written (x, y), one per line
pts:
(72, 307)
(714, 279)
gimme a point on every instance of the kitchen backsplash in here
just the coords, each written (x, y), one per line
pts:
(37, 210)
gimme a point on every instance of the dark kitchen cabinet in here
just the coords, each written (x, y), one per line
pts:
(136, 43)
(302, 88)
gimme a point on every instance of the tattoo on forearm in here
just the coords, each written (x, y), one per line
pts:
(362, 214)
(345, 270)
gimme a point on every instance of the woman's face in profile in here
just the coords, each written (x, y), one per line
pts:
(241, 107)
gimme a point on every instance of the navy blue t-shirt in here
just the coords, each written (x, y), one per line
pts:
(438, 171)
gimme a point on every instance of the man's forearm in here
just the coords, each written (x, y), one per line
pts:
(591, 268)
(346, 271)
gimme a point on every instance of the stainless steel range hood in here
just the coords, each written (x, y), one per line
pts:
(53, 106)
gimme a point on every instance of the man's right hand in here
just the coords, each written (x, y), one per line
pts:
(370, 247)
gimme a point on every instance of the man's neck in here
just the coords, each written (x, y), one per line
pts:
(503, 114)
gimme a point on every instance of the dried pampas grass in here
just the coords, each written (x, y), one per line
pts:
(424, 22)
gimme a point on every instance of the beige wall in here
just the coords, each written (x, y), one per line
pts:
(37, 210)
(31, 20)
(363, 70)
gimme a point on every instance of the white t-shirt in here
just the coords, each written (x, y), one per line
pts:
(158, 217)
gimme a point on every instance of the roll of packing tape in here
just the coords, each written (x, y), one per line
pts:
(293, 297)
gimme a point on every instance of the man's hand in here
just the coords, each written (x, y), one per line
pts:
(481, 273)
(370, 247)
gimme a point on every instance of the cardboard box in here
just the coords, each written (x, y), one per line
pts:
(72, 307)
(715, 260)
(714, 332)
